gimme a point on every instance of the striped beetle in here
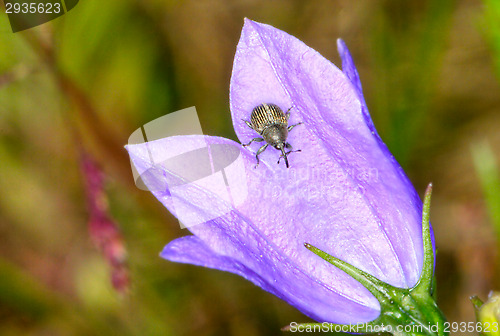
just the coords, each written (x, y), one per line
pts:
(272, 124)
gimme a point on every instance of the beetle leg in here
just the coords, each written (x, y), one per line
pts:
(289, 146)
(292, 126)
(254, 139)
(290, 151)
(261, 149)
(249, 124)
(287, 114)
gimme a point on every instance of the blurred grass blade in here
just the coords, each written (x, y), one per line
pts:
(408, 48)
(491, 23)
(488, 172)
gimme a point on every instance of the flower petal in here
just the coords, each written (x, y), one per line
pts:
(360, 220)
(271, 256)
(349, 69)
(270, 271)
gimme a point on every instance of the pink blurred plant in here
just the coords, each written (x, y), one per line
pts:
(103, 229)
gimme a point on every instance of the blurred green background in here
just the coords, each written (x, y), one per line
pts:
(430, 72)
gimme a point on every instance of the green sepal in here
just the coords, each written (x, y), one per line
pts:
(425, 283)
(477, 303)
(413, 307)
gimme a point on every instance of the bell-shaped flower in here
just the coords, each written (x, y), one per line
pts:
(344, 192)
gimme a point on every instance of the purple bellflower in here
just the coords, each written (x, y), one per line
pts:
(344, 194)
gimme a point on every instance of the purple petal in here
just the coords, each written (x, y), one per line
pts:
(270, 271)
(349, 69)
(268, 249)
(370, 211)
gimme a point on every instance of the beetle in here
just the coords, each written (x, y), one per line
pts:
(269, 121)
